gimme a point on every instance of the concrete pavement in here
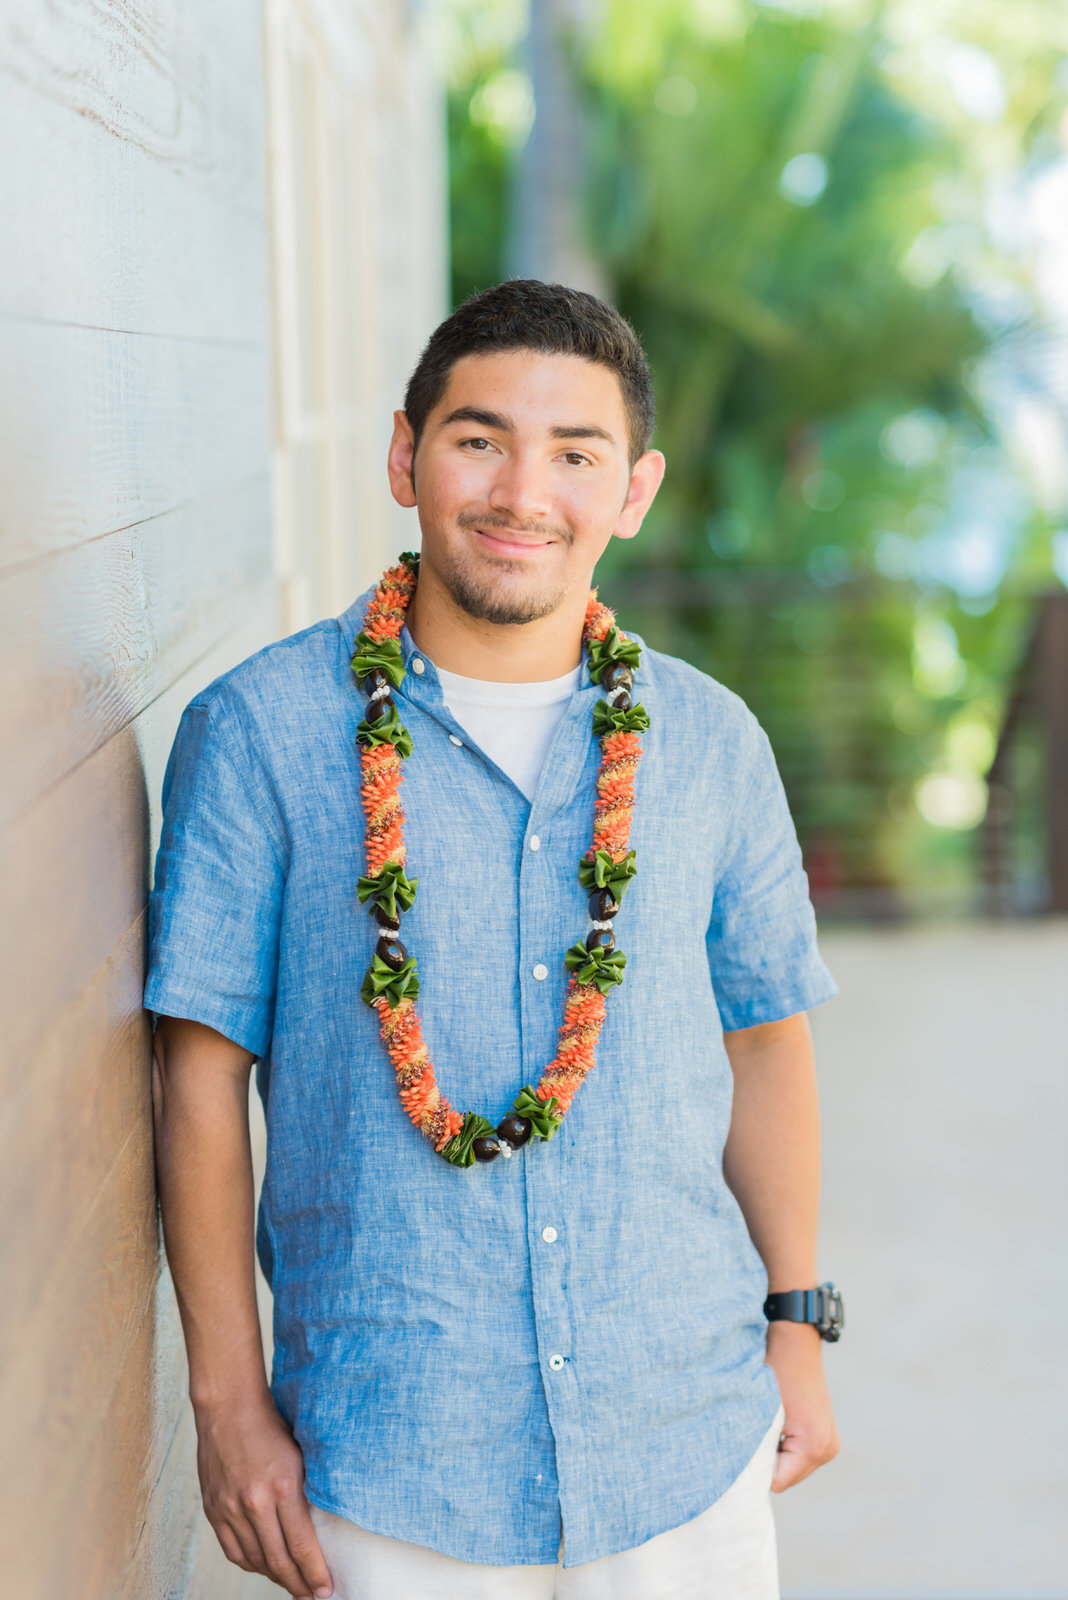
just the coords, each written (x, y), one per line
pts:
(944, 1080)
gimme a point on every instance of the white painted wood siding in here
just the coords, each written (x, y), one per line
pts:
(135, 563)
(138, 559)
(358, 203)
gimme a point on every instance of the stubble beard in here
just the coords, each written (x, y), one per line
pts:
(480, 598)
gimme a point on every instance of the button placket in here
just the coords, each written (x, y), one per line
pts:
(538, 967)
(545, 1186)
(552, 1315)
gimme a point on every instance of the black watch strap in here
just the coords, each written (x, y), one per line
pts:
(821, 1307)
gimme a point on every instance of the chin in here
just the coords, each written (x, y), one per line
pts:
(491, 597)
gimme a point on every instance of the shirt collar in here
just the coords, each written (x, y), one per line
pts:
(350, 622)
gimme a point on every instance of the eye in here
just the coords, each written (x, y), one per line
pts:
(478, 442)
(575, 457)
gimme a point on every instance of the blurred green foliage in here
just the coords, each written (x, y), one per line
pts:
(789, 205)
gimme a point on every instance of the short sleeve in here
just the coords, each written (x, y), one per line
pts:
(761, 939)
(215, 908)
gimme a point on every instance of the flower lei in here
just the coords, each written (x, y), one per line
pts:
(391, 985)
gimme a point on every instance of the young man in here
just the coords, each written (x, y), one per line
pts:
(522, 1351)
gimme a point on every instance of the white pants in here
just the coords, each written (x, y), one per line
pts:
(726, 1553)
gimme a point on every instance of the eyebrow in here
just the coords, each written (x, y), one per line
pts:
(503, 424)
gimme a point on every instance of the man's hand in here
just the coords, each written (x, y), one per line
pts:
(252, 1480)
(251, 1467)
(810, 1438)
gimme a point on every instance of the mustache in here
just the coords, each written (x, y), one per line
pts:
(504, 525)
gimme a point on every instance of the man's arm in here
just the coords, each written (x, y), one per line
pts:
(772, 1163)
(251, 1467)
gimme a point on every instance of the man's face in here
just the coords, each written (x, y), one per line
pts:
(521, 478)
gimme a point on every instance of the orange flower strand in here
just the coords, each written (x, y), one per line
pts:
(402, 1035)
(381, 779)
(389, 846)
(620, 746)
(614, 802)
(584, 1014)
(385, 613)
(414, 1099)
(611, 834)
(599, 618)
(584, 1005)
(617, 786)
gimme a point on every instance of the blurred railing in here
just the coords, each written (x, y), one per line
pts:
(831, 675)
(1028, 779)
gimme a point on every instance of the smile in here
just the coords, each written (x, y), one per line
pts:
(512, 544)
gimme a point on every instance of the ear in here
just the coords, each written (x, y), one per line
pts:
(400, 461)
(645, 479)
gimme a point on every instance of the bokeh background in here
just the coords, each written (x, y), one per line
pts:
(841, 229)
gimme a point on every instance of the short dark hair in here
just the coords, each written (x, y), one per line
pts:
(526, 314)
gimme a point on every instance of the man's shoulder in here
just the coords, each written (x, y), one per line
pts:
(290, 673)
(697, 695)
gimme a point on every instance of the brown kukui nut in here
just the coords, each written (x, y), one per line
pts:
(514, 1130)
(603, 904)
(392, 952)
(617, 675)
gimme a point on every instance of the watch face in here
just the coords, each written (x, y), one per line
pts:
(830, 1316)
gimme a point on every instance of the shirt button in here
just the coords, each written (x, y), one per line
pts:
(535, 842)
(454, 740)
(417, 665)
(541, 971)
(556, 1362)
(549, 1235)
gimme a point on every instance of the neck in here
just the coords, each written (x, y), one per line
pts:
(526, 652)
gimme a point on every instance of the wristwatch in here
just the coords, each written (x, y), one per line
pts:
(822, 1307)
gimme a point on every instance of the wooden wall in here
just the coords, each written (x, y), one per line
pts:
(139, 439)
(358, 204)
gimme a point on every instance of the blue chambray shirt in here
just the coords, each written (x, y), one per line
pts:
(458, 1374)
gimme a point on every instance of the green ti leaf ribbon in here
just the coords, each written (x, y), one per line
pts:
(458, 1150)
(378, 655)
(600, 653)
(410, 558)
(604, 873)
(613, 719)
(388, 730)
(543, 1115)
(602, 967)
(381, 979)
(391, 890)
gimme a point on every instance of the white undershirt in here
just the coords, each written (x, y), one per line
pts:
(512, 722)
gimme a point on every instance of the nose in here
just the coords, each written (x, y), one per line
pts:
(522, 491)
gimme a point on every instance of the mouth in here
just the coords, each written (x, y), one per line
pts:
(503, 542)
